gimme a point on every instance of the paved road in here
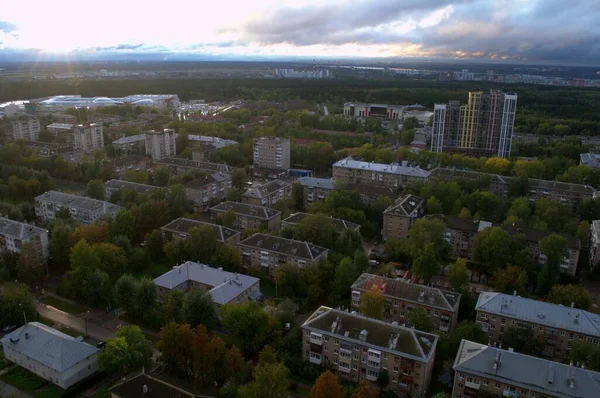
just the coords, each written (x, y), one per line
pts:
(8, 391)
(94, 331)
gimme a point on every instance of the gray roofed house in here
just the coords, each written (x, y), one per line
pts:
(406, 205)
(539, 312)
(83, 209)
(15, 233)
(216, 142)
(313, 182)
(224, 287)
(250, 216)
(394, 168)
(590, 160)
(267, 194)
(291, 247)
(340, 224)
(177, 165)
(117, 185)
(147, 385)
(180, 228)
(481, 368)
(50, 354)
(130, 139)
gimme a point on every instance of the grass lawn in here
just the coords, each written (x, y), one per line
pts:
(267, 288)
(3, 362)
(153, 270)
(51, 391)
(23, 380)
(65, 306)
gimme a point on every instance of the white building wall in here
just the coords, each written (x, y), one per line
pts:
(28, 129)
(438, 128)
(509, 110)
(161, 145)
(88, 138)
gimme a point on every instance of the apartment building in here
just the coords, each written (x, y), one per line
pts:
(359, 348)
(132, 144)
(268, 193)
(401, 215)
(203, 146)
(460, 233)
(180, 166)
(180, 229)
(88, 137)
(14, 233)
(82, 209)
(270, 251)
(315, 189)
(559, 326)
(594, 245)
(380, 111)
(370, 193)
(60, 129)
(112, 186)
(401, 297)
(249, 216)
(483, 126)
(202, 189)
(562, 192)
(481, 370)
(340, 225)
(26, 128)
(161, 144)
(272, 153)
(394, 176)
(224, 287)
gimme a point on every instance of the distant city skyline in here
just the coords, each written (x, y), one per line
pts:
(511, 30)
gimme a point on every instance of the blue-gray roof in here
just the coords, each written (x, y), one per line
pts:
(590, 159)
(314, 182)
(130, 139)
(225, 286)
(540, 312)
(394, 168)
(48, 346)
(540, 375)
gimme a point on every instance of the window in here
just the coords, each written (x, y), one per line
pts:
(503, 321)
(336, 341)
(355, 367)
(485, 382)
(562, 333)
(326, 338)
(523, 391)
(396, 369)
(335, 350)
(335, 362)
(324, 348)
(435, 313)
(494, 318)
(418, 366)
(497, 385)
(571, 335)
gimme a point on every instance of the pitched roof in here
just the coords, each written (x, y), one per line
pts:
(540, 375)
(290, 247)
(130, 139)
(340, 224)
(134, 186)
(48, 346)
(200, 182)
(266, 189)
(18, 229)
(225, 286)
(246, 209)
(314, 182)
(418, 294)
(381, 335)
(394, 168)
(193, 164)
(183, 225)
(156, 388)
(540, 312)
(406, 205)
(78, 202)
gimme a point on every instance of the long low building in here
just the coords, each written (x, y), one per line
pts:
(249, 216)
(61, 102)
(180, 166)
(82, 209)
(131, 144)
(268, 193)
(13, 234)
(379, 111)
(180, 229)
(340, 225)
(270, 251)
(394, 176)
(224, 287)
(558, 326)
(482, 371)
(315, 189)
(359, 348)
(50, 354)
(118, 185)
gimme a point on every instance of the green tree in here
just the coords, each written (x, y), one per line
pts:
(229, 257)
(15, 302)
(95, 189)
(343, 280)
(238, 178)
(171, 308)
(420, 320)
(227, 219)
(161, 176)
(298, 195)
(568, 295)
(29, 265)
(270, 381)
(127, 351)
(60, 246)
(145, 298)
(125, 292)
(372, 304)
(318, 229)
(248, 324)
(176, 252)
(123, 225)
(510, 279)
(426, 231)
(554, 247)
(493, 248)
(201, 244)
(365, 390)
(583, 232)
(178, 202)
(153, 241)
(522, 340)
(586, 353)
(112, 258)
(84, 260)
(199, 308)
(434, 206)
(99, 289)
(383, 379)
(458, 275)
(427, 264)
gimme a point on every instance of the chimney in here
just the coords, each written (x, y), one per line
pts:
(145, 389)
(514, 292)
(572, 304)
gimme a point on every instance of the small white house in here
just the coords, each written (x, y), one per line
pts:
(51, 354)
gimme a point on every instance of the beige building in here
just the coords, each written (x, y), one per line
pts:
(203, 189)
(250, 216)
(14, 233)
(268, 193)
(161, 144)
(401, 215)
(26, 128)
(359, 348)
(82, 209)
(394, 176)
(402, 297)
(224, 287)
(180, 229)
(460, 233)
(315, 189)
(558, 326)
(484, 371)
(270, 251)
(88, 137)
(340, 225)
(180, 166)
(272, 153)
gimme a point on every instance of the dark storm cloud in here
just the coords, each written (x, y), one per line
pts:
(519, 29)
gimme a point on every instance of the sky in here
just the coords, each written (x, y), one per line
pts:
(532, 30)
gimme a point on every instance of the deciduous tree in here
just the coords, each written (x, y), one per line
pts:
(372, 303)
(458, 275)
(509, 279)
(95, 189)
(570, 294)
(229, 257)
(420, 320)
(127, 351)
(199, 308)
(248, 324)
(326, 386)
(227, 219)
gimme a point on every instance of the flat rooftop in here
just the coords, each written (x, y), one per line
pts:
(131, 139)
(290, 247)
(134, 186)
(394, 168)
(78, 202)
(19, 230)
(193, 164)
(184, 225)
(404, 341)
(339, 224)
(266, 189)
(248, 210)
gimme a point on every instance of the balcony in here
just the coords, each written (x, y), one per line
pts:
(315, 359)
(316, 339)
(472, 385)
(443, 328)
(345, 368)
(484, 326)
(372, 376)
(509, 393)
